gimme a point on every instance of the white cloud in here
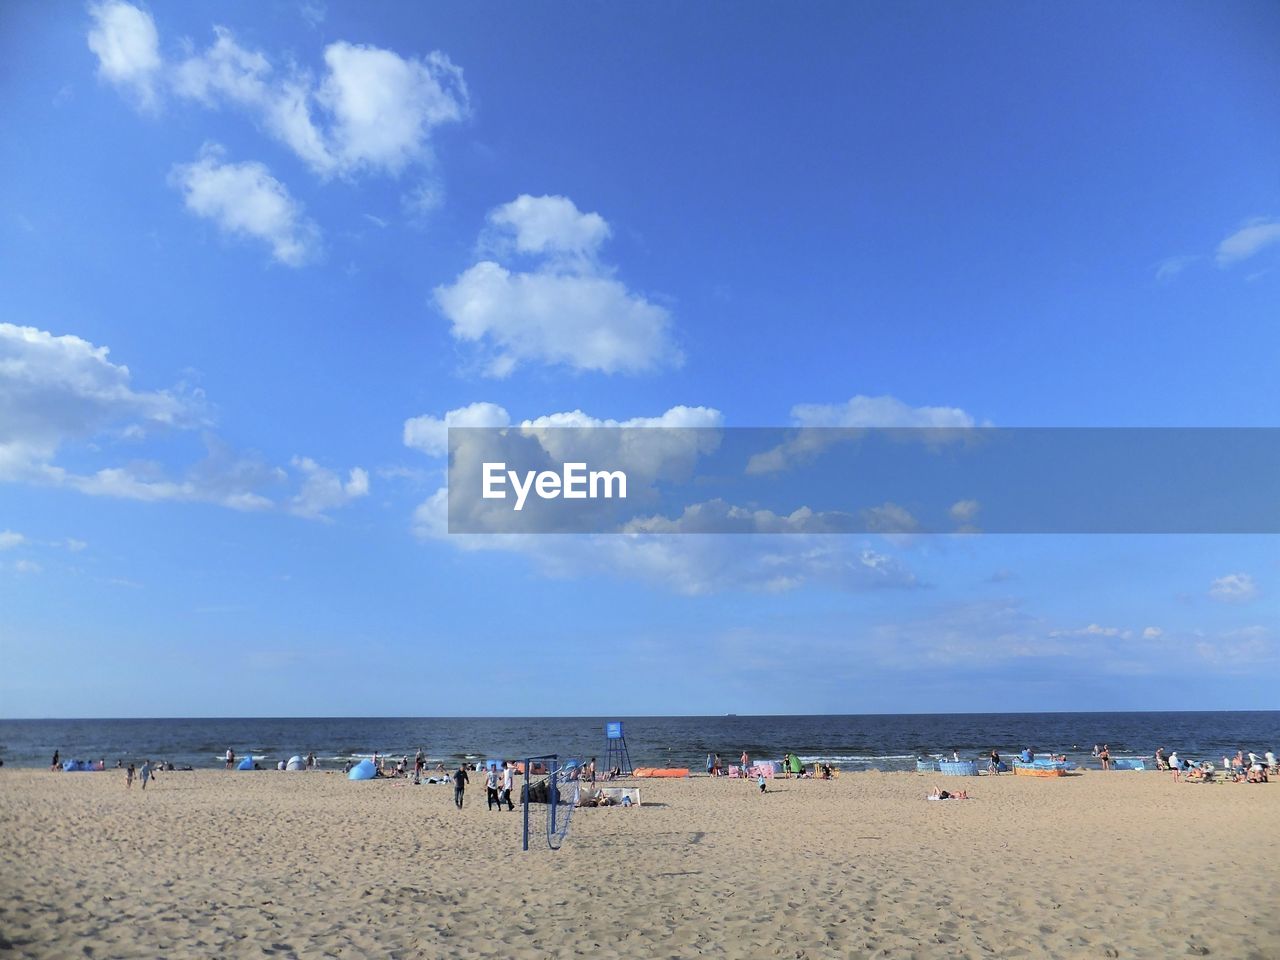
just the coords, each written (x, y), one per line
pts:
(857, 414)
(1152, 633)
(27, 566)
(431, 434)
(74, 545)
(383, 106)
(689, 564)
(964, 511)
(569, 310)
(1098, 631)
(60, 390)
(550, 225)
(1234, 588)
(1170, 267)
(882, 412)
(125, 41)
(10, 539)
(1247, 241)
(372, 111)
(1244, 647)
(244, 199)
(324, 490)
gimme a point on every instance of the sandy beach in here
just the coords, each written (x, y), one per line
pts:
(271, 864)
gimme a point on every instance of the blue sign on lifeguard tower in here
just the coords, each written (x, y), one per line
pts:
(613, 730)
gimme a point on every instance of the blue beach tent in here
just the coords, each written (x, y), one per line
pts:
(245, 764)
(364, 770)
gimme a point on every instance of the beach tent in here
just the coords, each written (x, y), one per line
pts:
(796, 765)
(245, 764)
(364, 770)
(296, 763)
(79, 766)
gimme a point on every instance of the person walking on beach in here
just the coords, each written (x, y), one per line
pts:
(460, 780)
(145, 773)
(491, 790)
(128, 778)
(418, 761)
(56, 757)
(508, 784)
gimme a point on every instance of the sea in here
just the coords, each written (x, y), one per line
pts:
(852, 742)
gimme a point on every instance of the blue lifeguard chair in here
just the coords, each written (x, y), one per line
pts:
(616, 756)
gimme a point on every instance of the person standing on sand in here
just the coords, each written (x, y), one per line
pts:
(1105, 756)
(716, 766)
(231, 757)
(508, 784)
(591, 771)
(417, 763)
(56, 757)
(128, 778)
(491, 790)
(746, 763)
(460, 780)
(145, 773)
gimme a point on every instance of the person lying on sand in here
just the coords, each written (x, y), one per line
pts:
(945, 795)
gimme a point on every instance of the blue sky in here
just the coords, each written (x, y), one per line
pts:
(253, 255)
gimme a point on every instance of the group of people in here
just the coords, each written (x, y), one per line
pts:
(1242, 768)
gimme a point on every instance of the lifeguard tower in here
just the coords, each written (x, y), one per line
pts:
(616, 756)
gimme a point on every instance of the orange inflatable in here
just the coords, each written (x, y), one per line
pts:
(660, 772)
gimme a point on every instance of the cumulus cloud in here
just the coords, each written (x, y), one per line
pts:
(371, 110)
(549, 225)
(10, 539)
(243, 199)
(1247, 241)
(430, 434)
(125, 40)
(324, 490)
(1234, 588)
(57, 391)
(693, 564)
(822, 425)
(59, 388)
(1152, 633)
(568, 310)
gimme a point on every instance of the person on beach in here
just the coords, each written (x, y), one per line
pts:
(993, 765)
(491, 790)
(760, 780)
(128, 778)
(56, 758)
(591, 771)
(1105, 756)
(145, 773)
(460, 781)
(508, 784)
(746, 763)
(711, 765)
(418, 761)
(311, 760)
(231, 757)
(716, 766)
(1270, 757)
(1161, 762)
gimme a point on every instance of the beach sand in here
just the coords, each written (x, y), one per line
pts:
(270, 864)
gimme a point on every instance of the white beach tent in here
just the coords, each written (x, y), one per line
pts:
(296, 763)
